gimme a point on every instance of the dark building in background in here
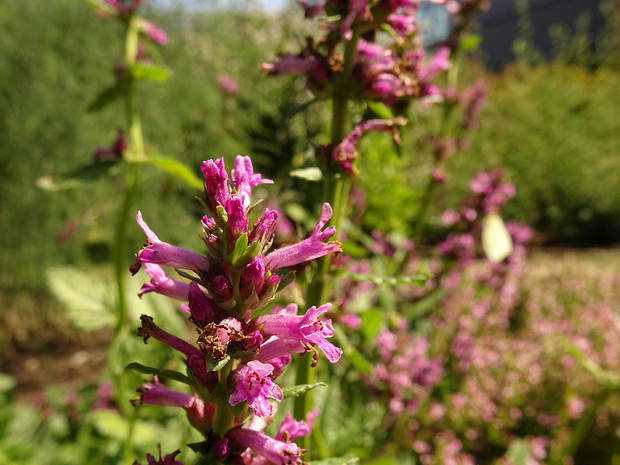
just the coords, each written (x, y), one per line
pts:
(504, 22)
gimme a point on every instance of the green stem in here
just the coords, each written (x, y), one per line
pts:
(445, 131)
(336, 187)
(224, 417)
(135, 152)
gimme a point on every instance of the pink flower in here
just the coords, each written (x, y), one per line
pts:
(154, 33)
(116, 151)
(162, 253)
(199, 413)
(308, 329)
(276, 452)
(228, 84)
(163, 284)
(308, 249)
(254, 384)
(291, 429)
(244, 178)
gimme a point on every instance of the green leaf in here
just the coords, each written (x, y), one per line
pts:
(203, 447)
(217, 365)
(496, 240)
(353, 355)
(418, 279)
(92, 171)
(7, 383)
(298, 390)
(518, 452)
(336, 461)
(240, 247)
(285, 280)
(470, 42)
(300, 108)
(103, 6)
(372, 322)
(309, 174)
(381, 110)
(601, 375)
(175, 168)
(109, 95)
(89, 301)
(113, 425)
(427, 304)
(170, 374)
(189, 276)
(150, 72)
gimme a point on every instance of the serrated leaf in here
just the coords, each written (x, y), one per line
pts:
(217, 365)
(309, 174)
(175, 168)
(336, 461)
(496, 240)
(300, 389)
(240, 247)
(149, 72)
(170, 374)
(89, 301)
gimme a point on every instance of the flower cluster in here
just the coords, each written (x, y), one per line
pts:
(241, 348)
(405, 370)
(370, 52)
(387, 70)
(489, 195)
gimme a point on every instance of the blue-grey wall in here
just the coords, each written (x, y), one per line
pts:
(500, 25)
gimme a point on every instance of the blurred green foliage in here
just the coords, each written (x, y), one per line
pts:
(554, 130)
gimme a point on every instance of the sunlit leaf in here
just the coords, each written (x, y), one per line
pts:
(518, 452)
(240, 247)
(175, 168)
(309, 174)
(381, 110)
(150, 72)
(89, 301)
